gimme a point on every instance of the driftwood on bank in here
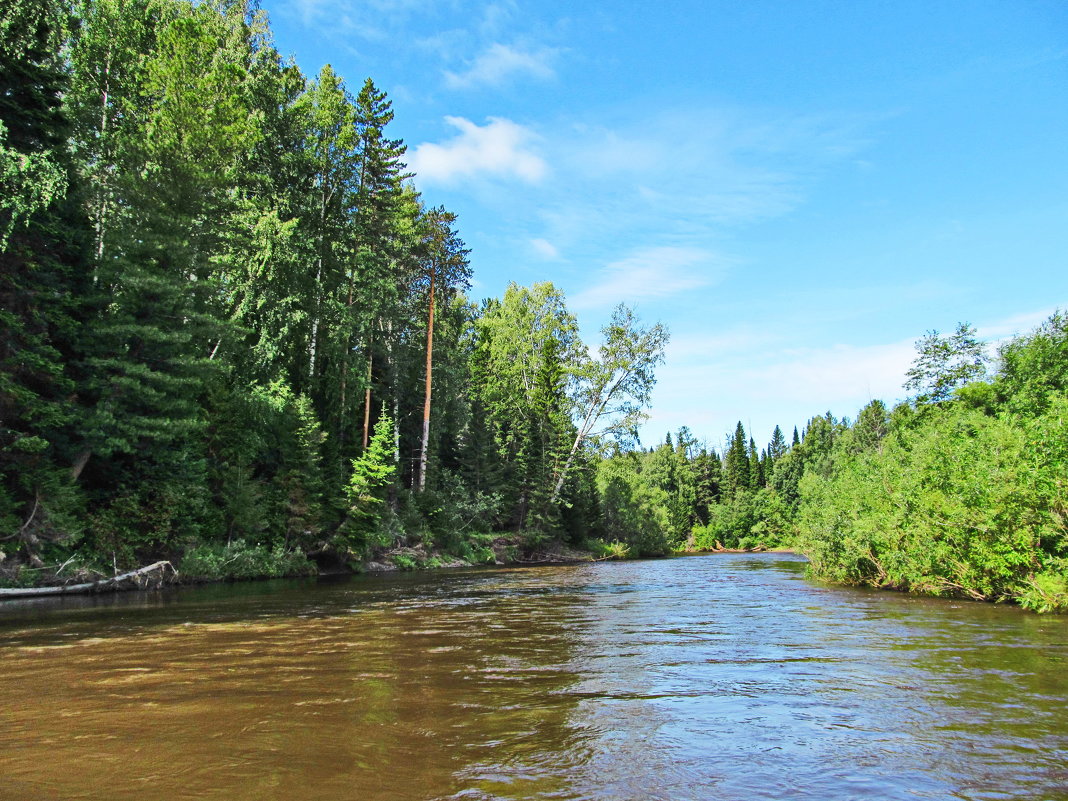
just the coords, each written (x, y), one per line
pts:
(138, 578)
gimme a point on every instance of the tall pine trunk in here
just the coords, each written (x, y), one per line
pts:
(429, 373)
(367, 400)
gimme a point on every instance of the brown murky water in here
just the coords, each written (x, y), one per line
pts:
(717, 677)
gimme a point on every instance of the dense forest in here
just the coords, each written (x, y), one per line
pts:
(962, 490)
(232, 335)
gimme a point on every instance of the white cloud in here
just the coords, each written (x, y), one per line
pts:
(762, 377)
(751, 378)
(499, 148)
(1012, 326)
(500, 64)
(649, 273)
(545, 249)
(373, 20)
(816, 375)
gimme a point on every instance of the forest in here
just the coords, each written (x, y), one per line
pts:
(233, 336)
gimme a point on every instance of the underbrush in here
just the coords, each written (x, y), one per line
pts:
(242, 560)
(607, 550)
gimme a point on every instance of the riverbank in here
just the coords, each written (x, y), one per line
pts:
(239, 561)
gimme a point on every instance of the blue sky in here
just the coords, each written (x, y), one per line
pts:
(799, 190)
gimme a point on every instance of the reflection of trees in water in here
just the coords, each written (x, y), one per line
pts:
(461, 688)
(379, 689)
(952, 695)
(686, 678)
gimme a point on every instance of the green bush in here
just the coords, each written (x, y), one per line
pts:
(1046, 591)
(957, 503)
(749, 520)
(403, 561)
(607, 550)
(633, 512)
(240, 560)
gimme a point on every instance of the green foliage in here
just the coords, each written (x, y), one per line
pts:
(962, 495)
(370, 474)
(633, 511)
(1033, 368)
(944, 363)
(213, 271)
(523, 362)
(403, 561)
(749, 520)
(607, 550)
(241, 560)
(1046, 591)
(959, 504)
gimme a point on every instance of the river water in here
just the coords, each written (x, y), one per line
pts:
(710, 677)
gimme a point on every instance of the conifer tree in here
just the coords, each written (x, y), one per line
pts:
(446, 269)
(777, 445)
(756, 471)
(737, 467)
(708, 472)
(43, 287)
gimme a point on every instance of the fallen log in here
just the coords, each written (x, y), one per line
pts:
(136, 576)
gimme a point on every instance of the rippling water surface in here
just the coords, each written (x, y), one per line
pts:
(714, 677)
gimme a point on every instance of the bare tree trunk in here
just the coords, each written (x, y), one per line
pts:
(318, 290)
(315, 327)
(583, 432)
(80, 463)
(429, 373)
(367, 401)
(92, 586)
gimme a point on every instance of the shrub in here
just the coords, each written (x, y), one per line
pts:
(240, 560)
(608, 550)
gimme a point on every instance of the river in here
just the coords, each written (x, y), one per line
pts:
(706, 677)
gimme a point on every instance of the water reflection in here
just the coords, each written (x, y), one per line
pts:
(726, 676)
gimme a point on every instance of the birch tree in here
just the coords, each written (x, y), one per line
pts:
(612, 390)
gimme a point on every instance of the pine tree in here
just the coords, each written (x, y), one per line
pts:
(737, 467)
(708, 470)
(371, 473)
(756, 471)
(43, 282)
(446, 269)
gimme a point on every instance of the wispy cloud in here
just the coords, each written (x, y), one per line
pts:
(651, 273)
(499, 148)
(763, 384)
(1017, 324)
(367, 19)
(501, 63)
(682, 175)
(545, 249)
(758, 376)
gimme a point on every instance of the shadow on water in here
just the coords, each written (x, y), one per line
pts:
(723, 676)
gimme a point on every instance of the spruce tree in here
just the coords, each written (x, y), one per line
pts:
(736, 463)
(756, 469)
(44, 289)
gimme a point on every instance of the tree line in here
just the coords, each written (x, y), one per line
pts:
(960, 490)
(233, 333)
